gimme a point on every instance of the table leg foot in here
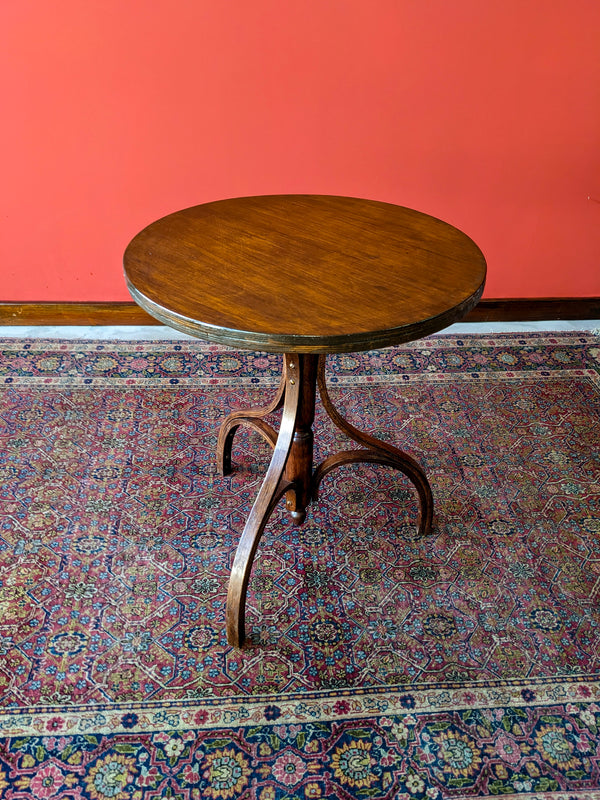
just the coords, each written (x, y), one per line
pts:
(253, 418)
(375, 452)
(275, 485)
(235, 613)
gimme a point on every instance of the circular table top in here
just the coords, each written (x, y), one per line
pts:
(304, 273)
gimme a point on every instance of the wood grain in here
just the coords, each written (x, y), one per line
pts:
(304, 273)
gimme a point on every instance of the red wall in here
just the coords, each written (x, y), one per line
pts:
(483, 112)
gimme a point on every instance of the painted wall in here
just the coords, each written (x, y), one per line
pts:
(485, 113)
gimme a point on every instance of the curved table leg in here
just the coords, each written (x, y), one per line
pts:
(376, 452)
(253, 418)
(273, 487)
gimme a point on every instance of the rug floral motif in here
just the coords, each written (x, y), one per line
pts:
(379, 665)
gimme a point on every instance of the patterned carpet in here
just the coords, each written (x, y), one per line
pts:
(379, 665)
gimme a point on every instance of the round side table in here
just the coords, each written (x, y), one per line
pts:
(304, 275)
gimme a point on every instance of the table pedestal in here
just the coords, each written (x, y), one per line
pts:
(291, 469)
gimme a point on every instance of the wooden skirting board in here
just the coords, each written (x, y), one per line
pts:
(128, 313)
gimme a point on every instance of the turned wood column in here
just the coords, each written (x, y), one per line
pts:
(298, 469)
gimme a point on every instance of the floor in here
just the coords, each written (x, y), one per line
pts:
(154, 332)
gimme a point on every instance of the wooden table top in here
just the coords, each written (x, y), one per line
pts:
(304, 273)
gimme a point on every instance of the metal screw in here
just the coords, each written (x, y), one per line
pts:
(293, 383)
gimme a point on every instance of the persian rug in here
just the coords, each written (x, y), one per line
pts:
(464, 664)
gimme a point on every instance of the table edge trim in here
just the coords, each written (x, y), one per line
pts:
(298, 343)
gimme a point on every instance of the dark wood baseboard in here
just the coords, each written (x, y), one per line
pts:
(128, 313)
(535, 309)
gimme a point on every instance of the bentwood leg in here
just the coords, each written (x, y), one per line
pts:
(290, 471)
(274, 486)
(251, 417)
(376, 452)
